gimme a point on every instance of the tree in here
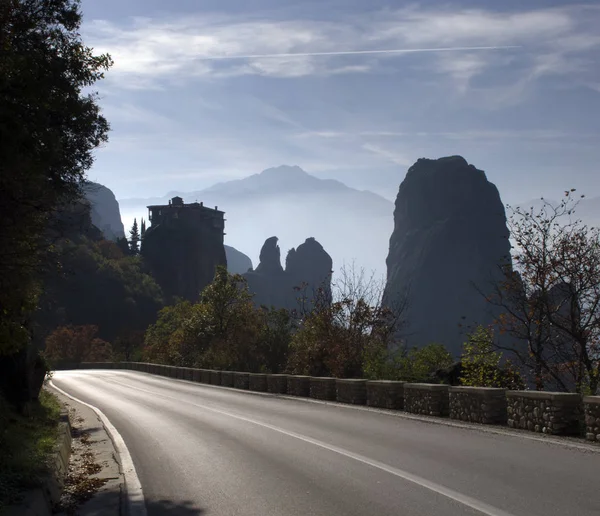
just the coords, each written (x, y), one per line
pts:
(142, 229)
(48, 130)
(344, 337)
(76, 344)
(482, 365)
(551, 300)
(123, 245)
(223, 330)
(134, 239)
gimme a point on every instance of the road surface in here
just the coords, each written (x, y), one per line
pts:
(205, 450)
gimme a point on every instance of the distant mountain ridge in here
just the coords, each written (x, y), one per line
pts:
(291, 203)
(281, 180)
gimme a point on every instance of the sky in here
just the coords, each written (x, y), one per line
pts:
(204, 92)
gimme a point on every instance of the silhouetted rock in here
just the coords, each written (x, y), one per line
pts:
(183, 246)
(308, 268)
(237, 262)
(310, 264)
(450, 234)
(270, 257)
(105, 212)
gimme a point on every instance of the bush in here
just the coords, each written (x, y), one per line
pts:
(26, 443)
(481, 365)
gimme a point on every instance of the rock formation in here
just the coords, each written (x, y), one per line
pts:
(105, 212)
(449, 238)
(237, 262)
(183, 246)
(308, 267)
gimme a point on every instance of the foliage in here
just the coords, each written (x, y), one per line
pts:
(76, 344)
(95, 283)
(134, 239)
(348, 335)
(551, 301)
(482, 365)
(412, 365)
(26, 442)
(48, 130)
(223, 330)
(123, 245)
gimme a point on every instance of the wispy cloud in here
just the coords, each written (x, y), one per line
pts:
(148, 51)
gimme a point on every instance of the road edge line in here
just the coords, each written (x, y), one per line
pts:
(134, 494)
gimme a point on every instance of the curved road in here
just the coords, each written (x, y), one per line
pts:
(207, 450)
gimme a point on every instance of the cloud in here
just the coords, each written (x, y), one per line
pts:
(394, 156)
(463, 42)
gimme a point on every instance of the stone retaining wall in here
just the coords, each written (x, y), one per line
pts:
(227, 378)
(277, 383)
(478, 405)
(40, 501)
(59, 463)
(547, 412)
(322, 388)
(385, 394)
(591, 406)
(257, 382)
(241, 380)
(298, 385)
(215, 377)
(351, 391)
(426, 399)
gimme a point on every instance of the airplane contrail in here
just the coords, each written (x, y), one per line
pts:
(358, 52)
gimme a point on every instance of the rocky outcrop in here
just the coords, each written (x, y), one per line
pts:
(310, 265)
(308, 269)
(449, 239)
(237, 262)
(105, 212)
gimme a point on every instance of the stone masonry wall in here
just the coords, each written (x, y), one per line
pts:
(227, 378)
(299, 385)
(385, 394)
(322, 388)
(547, 412)
(426, 399)
(258, 382)
(277, 383)
(205, 375)
(241, 380)
(351, 391)
(215, 377)
(591, 406)
(478, 405)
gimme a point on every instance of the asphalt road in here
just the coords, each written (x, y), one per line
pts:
(205, 450)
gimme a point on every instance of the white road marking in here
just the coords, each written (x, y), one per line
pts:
(136, 505)
(477, 505)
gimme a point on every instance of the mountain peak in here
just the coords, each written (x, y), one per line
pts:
(287, 170)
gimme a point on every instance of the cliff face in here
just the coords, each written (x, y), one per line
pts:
(237, 262)
(309, 267)
(105, 212)
(449, 235)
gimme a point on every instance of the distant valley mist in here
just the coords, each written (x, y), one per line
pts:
(291, 204)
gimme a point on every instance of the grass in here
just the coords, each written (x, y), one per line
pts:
(26, 442)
